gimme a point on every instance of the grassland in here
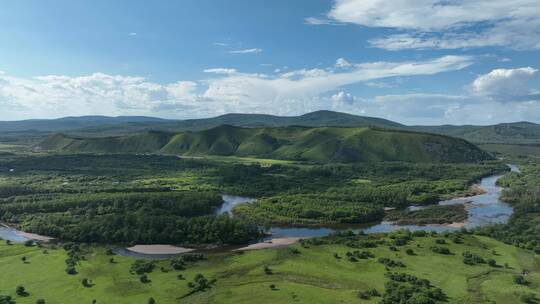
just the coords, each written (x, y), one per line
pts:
(300, 274)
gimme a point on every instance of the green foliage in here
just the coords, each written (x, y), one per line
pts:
(142, 266)
(409, 289)
(437, 214)
(523, 193)
(441, 250)
(322, 144)
(470, 258)
(390, 263)
(6, 299)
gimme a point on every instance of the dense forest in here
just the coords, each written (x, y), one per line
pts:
(166, 199)
(523, 193)
(179, 217)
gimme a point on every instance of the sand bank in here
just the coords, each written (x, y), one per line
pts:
(273, 243)
(159, 249)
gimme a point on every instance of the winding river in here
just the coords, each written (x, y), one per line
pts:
(483, 209)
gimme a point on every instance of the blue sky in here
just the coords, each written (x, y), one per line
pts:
(416, 62)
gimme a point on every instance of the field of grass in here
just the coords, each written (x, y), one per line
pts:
(309, 274)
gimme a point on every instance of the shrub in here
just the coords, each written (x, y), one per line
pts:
(21, 291)
(519, 279)
(440, 250)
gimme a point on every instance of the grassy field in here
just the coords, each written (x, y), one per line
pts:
(308, 275)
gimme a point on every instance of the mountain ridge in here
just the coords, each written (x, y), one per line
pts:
(518, 132)
(298, 143)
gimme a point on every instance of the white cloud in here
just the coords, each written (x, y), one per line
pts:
(102, 94)
(133, 34)
(343, 97)
(342, 63)
(380, 85)
(505, 84)
(297, 91)
(247, 51)
(436, 24)
(220, 71)
(228, 90)
(320, 21)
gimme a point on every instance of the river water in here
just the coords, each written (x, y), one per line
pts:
(485, 209)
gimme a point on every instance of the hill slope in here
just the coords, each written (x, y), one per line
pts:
(512, 133)
(324, 144)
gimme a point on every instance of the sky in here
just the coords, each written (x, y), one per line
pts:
(421, 62)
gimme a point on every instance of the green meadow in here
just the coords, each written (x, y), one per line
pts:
(310, 272)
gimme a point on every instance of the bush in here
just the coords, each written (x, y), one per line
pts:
(144, 279)
(6, 299)
(366, 295)
(470, 258)
(440, 250)
(21, 291)
(142, 266)
(519, 279)
(38, 301)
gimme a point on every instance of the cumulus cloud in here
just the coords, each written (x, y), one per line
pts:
(343, 98)
(228, 90)
(99, 93)
(246, 51)
(505, 84)
(436, 24)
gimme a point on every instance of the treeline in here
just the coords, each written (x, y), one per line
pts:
(437, 214)
(309, 209)
(523, 193)
(179, 217)
(141, 228)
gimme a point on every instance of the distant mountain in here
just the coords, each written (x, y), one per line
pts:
(71, 123)
(317, 144)
(102, 126)
(314, 119)
(509, 133)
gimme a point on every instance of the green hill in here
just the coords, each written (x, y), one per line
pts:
(323, 144)
(510, 133)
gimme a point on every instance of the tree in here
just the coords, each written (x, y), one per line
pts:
(492, 262)
(144, 279)
(151, 300)
(6, 300)
(86, 282)
(40, 301)
(21, 291)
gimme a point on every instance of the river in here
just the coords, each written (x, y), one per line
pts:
(485, 209)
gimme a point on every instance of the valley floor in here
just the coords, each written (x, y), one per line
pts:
(308, 272)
